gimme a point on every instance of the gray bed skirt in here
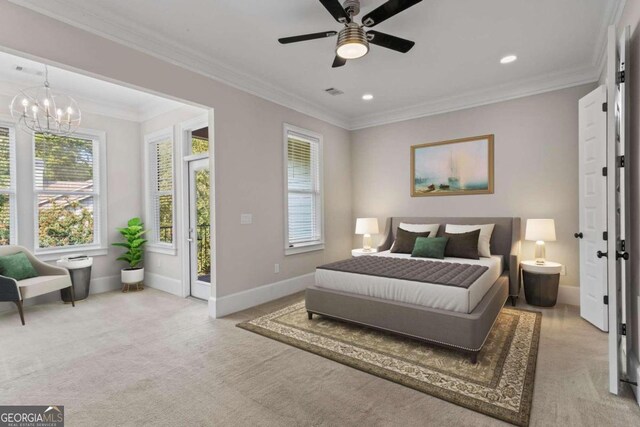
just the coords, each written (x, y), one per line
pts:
(462, 331)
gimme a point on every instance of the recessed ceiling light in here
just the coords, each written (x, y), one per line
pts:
(367, 97)
(508, 59)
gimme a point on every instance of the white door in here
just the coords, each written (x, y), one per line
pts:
(199, 235)
(617, 200)
(592, 149)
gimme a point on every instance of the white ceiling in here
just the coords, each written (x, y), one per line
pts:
(454, 64)
(93, 95)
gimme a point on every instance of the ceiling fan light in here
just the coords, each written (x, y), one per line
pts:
(352, 42)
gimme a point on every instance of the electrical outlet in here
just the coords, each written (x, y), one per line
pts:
(276, 268)
(246, 219)
(563, 270)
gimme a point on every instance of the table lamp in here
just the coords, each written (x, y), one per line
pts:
(540, 231)
(367, 227)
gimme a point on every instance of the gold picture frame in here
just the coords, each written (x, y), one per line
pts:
(453, 168)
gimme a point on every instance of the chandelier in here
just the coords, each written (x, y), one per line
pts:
(41, 110)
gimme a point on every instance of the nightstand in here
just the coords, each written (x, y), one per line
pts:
(541, 282)
(361, 252)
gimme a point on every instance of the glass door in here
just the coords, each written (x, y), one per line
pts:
(199, 236)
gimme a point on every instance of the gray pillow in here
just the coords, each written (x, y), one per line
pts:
(405, 241)
(462, 245)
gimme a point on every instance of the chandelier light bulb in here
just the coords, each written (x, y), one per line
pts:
(36, 111)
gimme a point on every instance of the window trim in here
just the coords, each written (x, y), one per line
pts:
(12, 191)
(100, 227)
(317, 245)
(154, 245)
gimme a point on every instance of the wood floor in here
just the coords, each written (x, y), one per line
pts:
(149, 358)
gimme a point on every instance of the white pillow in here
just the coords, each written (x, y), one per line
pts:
(484, 241)
(421, 228)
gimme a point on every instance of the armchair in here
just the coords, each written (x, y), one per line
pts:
(49, 279)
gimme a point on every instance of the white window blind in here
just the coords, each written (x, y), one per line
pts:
(7, 186)
(304, 192)
(67, 191)
(161, 203)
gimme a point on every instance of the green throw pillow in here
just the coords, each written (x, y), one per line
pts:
(17, 266)
(429, 247)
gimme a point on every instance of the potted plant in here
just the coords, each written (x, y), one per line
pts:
(134, 243)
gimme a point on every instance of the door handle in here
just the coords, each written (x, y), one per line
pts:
(578, 235)
(601, 254)
(623, 255)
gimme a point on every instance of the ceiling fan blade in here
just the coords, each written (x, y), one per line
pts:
(389, 41)
(305, 37)
(338, 62)
(386, 11)
(336, 10)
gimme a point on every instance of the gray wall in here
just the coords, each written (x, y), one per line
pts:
(536, 167)
(248, 148)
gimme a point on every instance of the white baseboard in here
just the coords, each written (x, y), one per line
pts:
(634, 374)
(223, 306)
(104, 284)
(569, 295)
(163, 283)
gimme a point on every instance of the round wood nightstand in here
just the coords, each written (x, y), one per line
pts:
(541, 282)
(361, 252)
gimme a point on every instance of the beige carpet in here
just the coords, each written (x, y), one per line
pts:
(499, 385)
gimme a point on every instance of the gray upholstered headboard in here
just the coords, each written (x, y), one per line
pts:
(505, 239)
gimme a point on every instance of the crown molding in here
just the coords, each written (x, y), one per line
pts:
(91, 106)
(123, 31)
(506, 92)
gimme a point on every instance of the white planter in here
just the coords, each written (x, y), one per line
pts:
(132, 276)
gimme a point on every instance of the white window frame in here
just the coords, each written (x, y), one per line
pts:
(307, 246)
(12, 190)
(154, 244)
(99, 194)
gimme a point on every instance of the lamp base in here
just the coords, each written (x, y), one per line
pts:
(540, 253)
(366, 243)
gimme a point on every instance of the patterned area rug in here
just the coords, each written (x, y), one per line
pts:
(499, 385)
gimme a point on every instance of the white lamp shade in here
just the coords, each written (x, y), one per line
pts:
(541, 229)
(367, 226)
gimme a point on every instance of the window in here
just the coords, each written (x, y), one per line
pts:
(160, 197)
(200, 141)
(7, 186)
(70, 192)
(303, 158)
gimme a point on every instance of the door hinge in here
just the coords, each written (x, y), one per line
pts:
(620, 161)
(606, 299)
(623, 329)
(620, 77)
(605, 235)
(604, 107)
(604, 171)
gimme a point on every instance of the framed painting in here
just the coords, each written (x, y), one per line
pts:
(452, 168)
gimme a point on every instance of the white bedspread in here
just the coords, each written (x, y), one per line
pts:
(426, 294)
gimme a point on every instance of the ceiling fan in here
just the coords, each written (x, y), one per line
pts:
(353, 40)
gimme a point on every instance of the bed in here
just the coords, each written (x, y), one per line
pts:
(455, 317)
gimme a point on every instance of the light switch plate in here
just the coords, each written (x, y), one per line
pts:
(246, 219)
